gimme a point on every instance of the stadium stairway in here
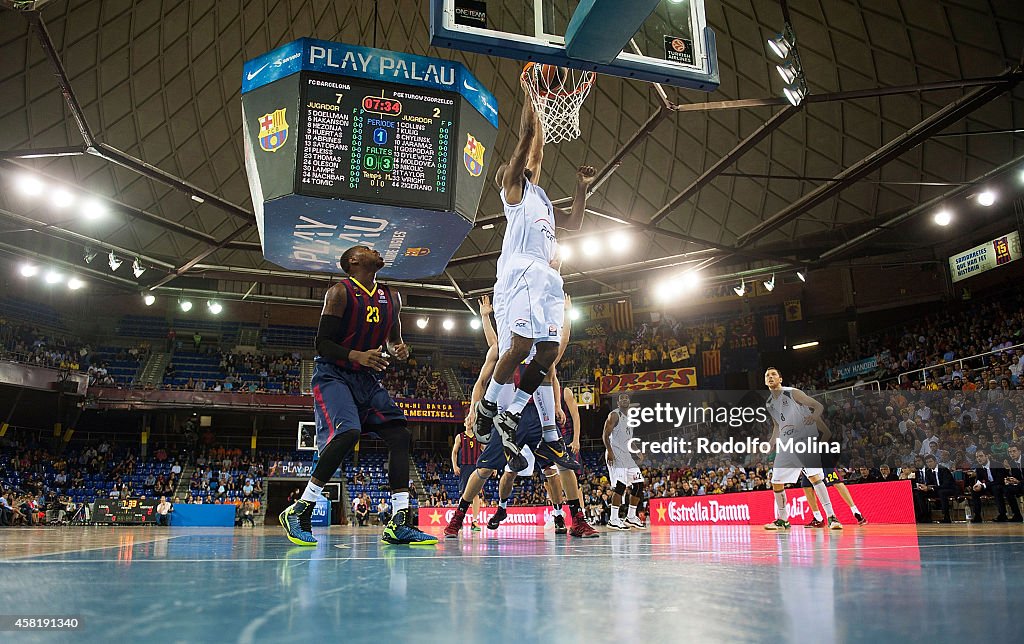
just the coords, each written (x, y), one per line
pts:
(306, 374)
(181, 489)
(454, 386)
(248, 336)
(153, 372)
(417, 480)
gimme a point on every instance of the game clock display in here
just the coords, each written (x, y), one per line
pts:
(124, 511)
(376, 142)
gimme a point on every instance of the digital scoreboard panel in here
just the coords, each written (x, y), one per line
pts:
(124, 511)
(376, 142)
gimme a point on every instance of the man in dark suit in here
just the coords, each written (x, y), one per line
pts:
(989, 479)
(1015, 481)
(933, 482)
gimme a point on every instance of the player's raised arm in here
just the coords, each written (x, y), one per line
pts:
(574, 414)
(609, 425)
(486, 371)
(396, 345)
(485, 318)
(573, 218)
(331, 330)
(512, 173)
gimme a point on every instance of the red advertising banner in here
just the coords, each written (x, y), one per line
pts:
(890, 502)
(521, 516)
(649, 380)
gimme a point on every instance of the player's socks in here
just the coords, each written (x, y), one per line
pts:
(312, 492)
(817, 516)
(782, 513)
(853, 509)
(556, 510)
(822, 493)
(493, 390)
(574, 506)
(519, 402)
(631, 514)
(399, 501)
(464, 505)
(503, 503)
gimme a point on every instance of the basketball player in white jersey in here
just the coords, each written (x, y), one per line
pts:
(623, 470)
(798, 416)
(528, 297)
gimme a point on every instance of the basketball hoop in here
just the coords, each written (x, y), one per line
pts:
(557, 94)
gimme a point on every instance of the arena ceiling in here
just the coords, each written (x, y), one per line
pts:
(138, 102)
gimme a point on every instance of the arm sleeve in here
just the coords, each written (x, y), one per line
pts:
(330, 327)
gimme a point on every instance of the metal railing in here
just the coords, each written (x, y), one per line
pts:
(873, 385)
(959, 362)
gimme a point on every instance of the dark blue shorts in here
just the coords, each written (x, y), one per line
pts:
(465, 472)
(832, 476)
(345, 401)
(529, 433)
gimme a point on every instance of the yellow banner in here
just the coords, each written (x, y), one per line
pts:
(650, 380)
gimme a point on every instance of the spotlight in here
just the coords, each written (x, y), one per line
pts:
(448, 324)
(795, 93)
(780, 45)
(93, 209)
(987, 198)
(667, 290)
(62, 198)
(789, 72)
(565, 251)
(474, 324)
(30, 186)
(806, 345)
(185, 305)
(942, 218)
(620, 241)
(574, 313)
(591, 246)
(740, 290)
(137, 268)
(52, 277)
(802, 275)
(770, 285)
(148, 299)
(421, 323)
(74, 283)
(90, 255)
(113, 261)
(29, 270)
(214, 307)
(690, 280)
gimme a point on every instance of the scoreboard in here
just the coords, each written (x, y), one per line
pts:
(124, 511)
(374, 143)
(349, 145)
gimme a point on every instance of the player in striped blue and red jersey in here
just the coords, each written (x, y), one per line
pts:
(359, 318)
(465, 453)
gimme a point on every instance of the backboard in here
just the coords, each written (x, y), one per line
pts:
(672, 44)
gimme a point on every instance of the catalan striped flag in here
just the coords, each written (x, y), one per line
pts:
(622, 315)
(712, 362)
(772, 325)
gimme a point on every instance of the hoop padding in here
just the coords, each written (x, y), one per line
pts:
(557, 94)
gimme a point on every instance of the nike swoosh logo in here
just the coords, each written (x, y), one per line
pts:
(256, 73)
(466, 84)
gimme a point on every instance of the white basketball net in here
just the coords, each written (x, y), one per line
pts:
(557, 98)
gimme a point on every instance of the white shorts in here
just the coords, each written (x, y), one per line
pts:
(792, 474)
(628, 475)
(529, 301)
(530, 460)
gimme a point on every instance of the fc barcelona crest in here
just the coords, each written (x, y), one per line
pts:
(273, 131)
(473, 155)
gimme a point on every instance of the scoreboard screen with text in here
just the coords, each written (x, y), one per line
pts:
(376, 142)
(124, 511)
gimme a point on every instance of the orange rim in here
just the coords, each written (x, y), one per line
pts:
(582, 88)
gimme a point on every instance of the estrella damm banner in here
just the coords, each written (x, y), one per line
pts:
(432, 411)
(650, 380)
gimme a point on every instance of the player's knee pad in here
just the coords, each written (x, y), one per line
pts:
(483, 473)
(550, 471)
(620, 488)
(546, 354)
(637, 489)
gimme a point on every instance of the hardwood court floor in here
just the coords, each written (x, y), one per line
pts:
(683, 584)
